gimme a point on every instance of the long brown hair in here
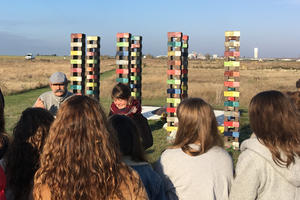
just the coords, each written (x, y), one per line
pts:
(276, 124)
(196, 124)
(81, 159)
(23, 155)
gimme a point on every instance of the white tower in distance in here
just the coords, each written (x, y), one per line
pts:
(255, 53)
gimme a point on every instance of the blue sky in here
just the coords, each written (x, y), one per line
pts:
(44, 27)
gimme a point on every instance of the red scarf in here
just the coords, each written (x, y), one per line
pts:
(131, 109)
(2, 184)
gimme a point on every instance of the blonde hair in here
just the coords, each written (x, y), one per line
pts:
(197, 124)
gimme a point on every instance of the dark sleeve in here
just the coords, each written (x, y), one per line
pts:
(144, 129)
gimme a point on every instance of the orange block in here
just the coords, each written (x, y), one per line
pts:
(90, 69)
(174, 62)
(135, 45)
(76, 35)
(174, 34)
(122, 71)
(185, 37)
(91, 77)
(134, 70)
(122, 35)
(232, 73)
(174, 72)
(231, 84)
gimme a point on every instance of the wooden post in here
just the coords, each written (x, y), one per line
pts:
(232, 84)
(77, 63)
(93, 67)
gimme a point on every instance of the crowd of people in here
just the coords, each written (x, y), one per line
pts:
(66, 147)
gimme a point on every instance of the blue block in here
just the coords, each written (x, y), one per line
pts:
(134, 86)
(228, 133)
(173, 91)
(235, 134)
(122, 53)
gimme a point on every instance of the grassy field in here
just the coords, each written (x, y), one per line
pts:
(23, 81)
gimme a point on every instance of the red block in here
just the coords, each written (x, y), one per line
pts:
(122, 71)
(184, 71)
(185, 37)
(233, 124)
(231, 84)
(232, 73)
(174, 34)
(230, 98)
(231, 53)
(174, 72)
(91, 77)
(171, 110)
(76, 35)
(122, 35)
(134, 70)
(91, 53)
(135, 45)
(78, 70)
(90, 69)
(174, 62)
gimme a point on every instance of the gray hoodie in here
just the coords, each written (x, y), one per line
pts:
(258, 177)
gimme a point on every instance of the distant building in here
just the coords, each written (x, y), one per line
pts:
(255, 53)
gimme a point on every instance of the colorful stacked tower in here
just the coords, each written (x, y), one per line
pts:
(93, 68)
(77, 63)
(177, 74)
(136, 69)
(184, 71)
(232, 84)
(123, 57)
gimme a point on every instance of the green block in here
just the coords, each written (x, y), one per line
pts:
(78, 62)
(185, 46)
(134, 78)
(173, 81)
(92, 61)
(135, 94)
(231, 89)
(232, 103)
(173, 100)
(122, 80)
(135, 37)
(174, 44)
(232, 64)
(75, 87)
(122, 44)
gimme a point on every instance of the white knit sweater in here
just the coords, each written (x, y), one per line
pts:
(206, 177)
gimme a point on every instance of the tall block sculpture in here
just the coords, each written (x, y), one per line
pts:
(123, 57)
(177, 77)
(135, 81)
(93, 67)
(232, 84)
(77, 63)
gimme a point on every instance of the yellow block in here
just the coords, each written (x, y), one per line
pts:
(76, 78)
(221, 129)
(171, 128)
(172, 119)
(231, 94)
(91, 46)
(135, 53)
(91, 84)
(92, 38)
(76, 53)
(174, 53)
(76, 44)
(232, 33)
(232, 44)
(231, 79)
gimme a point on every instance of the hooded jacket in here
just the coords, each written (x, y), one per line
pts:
(259, 177)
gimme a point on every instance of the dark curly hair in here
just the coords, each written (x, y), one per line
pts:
(3, 136)
(22, 159)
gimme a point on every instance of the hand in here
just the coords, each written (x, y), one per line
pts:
(133, 110)
(39, 103)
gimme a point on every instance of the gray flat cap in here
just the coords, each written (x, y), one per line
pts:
(58, 77)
